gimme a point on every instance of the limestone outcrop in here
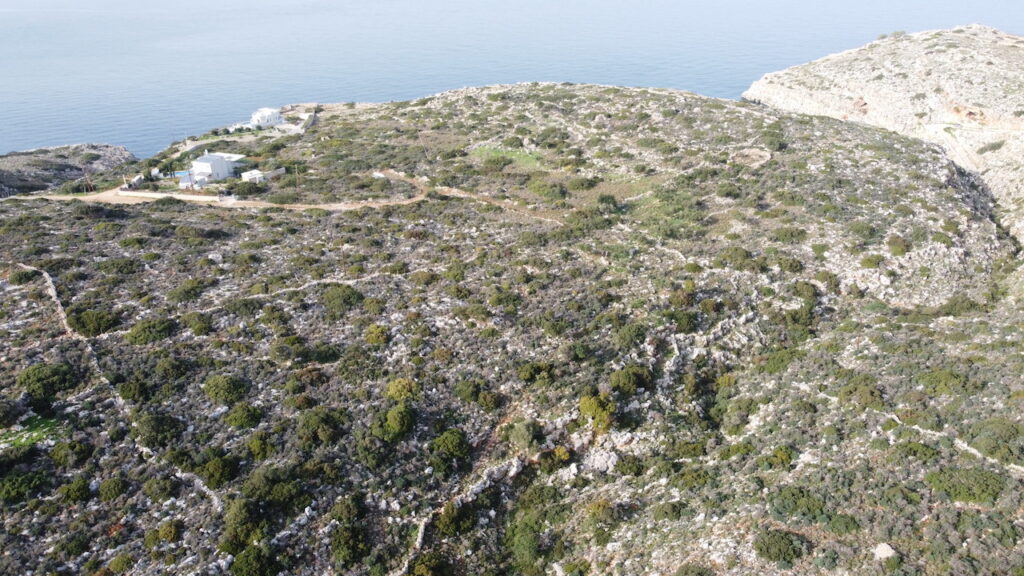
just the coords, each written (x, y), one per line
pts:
(962, 89)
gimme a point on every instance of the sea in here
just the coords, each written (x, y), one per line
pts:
(143, 74)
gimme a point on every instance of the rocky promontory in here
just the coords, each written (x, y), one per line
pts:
(959, 88)
(46, 168)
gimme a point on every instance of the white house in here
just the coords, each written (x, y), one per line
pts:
(254, 176)
(265, 118)
(210, 168)
(216, 166)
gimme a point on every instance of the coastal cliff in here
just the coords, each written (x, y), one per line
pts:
(962, 89)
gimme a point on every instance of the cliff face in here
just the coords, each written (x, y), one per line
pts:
(962, 89)
(46, 168)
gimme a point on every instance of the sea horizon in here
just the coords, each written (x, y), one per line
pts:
(144, 77)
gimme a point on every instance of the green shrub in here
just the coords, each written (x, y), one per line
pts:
(219, 470)
(778, 361)
(158, 430)
(789, 235)
(398, 422)
(338, 299)
(872, 261)
(121, 563)
(77, 490)
(244, 415)
(526, 436)
(451, 443)
(547, 190)
(629, 335)
(92, 323)
(469, 390)
(430, 564)
(113, 487)
(967, 484)
(780, 546)
(915, 450)
(999, 438)
(319, 426)
(898, 246)
(171, 530)
(160, 489)
(255, 560)
(581, 184)
(797, 502)
(246, 189)
(454, 520)
(188, 290)
(600, 410)
(991, 147)
(199, 323)
(43, 381)
(863, 393)
(225, 389)
(376, 335)
(945, 381)
(17, 486)
(151, 330)
(781, 458)
(22, 276)
(843, 524)
(260, 445)
(631, 378)
(348, 539)
(400, 389)
(70, 453)
(536, 372)
(669, 511)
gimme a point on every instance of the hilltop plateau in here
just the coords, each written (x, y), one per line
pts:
(531, 329)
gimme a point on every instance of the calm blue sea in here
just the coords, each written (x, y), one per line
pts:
(143, 74)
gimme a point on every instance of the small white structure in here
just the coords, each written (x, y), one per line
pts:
(192, 182)
(265, 118)
(254, 176)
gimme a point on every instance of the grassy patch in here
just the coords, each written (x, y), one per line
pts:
(32, 431)
(520, 158)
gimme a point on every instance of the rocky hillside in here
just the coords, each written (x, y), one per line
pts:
(962, 89)
(47, 168)
(536, 329)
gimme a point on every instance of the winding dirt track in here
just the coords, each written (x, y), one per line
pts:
(112, 196)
